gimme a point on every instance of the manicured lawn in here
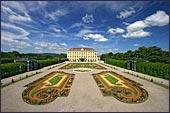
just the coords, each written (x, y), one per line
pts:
(63, 83)
(112, 80)
(55, 80)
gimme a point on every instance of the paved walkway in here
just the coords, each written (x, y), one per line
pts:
(85, 96)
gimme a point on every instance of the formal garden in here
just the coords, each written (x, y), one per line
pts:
(123, 89)
(82, 65)
(48, 88)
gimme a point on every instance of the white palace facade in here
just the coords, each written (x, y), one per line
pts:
(82, 55)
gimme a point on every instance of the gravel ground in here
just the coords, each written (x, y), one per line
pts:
(84, 96)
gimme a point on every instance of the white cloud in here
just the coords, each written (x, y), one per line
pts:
(18, 17)
(126, 13)
(14, 49)
(13, 42)
(53, 46)
(58, 13)
(83, 32)
(38, 48)
(115, 31)
(13, 16)
(116, 49)
(42, 44)
(160, 18)
(47, 45)
(135, 30)
(138, 25)
(125, 23)
(82, 45)
(63, 44)
(137, 34)
(12, 31)
(77, 25)
(19, 6)
(7, 10)
(95, 37)
(136, 44)
(57, 30)
(88, 18)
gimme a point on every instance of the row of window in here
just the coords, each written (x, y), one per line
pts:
(83, 56)
(81, 53)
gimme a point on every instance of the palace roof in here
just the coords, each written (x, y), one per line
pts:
(81, 49)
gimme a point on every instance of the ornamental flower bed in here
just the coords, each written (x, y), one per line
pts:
(41, 92)
(124, 90)
(82, 65)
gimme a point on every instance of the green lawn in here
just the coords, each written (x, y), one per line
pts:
(55, 80)
(112, 80)
(63, 83)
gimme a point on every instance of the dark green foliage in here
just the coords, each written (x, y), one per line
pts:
(8, 56)
(152, 54)
(43, 63)
(119, 63)
(7, 60)
(154, 69)
(11, 69)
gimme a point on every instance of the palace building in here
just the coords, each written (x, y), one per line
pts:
(82, 55)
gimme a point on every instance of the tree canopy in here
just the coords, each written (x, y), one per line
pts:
(152, 54)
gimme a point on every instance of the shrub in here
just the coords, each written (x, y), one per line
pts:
(119, 63)
(154, 69)
(10, 69)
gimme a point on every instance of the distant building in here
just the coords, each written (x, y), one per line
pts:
(82, 55)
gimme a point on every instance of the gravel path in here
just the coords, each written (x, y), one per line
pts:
(85, 96)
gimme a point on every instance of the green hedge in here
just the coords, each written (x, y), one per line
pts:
(119, 63)
(10, 69)
(7, 60)
(44, 63)
(154, 69)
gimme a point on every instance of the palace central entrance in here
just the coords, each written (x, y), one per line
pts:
(82, 59)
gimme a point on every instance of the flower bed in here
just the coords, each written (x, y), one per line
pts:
(82, 65)
(123, 89)
(42, 91)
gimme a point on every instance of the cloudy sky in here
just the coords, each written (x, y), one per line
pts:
(54, 27)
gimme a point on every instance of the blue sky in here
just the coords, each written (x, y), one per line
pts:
(106, 26)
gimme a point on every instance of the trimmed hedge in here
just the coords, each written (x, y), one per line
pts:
(10, 69)
(119, 63)
(159, 70)
(44, 63)
(7, 60)
(154, 69)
